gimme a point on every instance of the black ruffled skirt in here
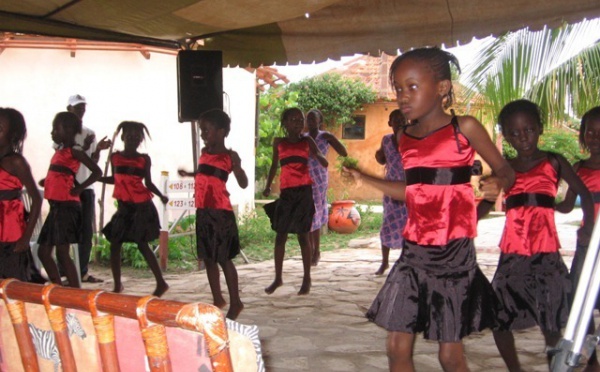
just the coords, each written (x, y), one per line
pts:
(217, 238)
(62, 225)
(134, 223)
(439, 291)
(533, 290)
(15, 265)
(293, 211)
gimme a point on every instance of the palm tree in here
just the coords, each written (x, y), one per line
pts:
(559, 69)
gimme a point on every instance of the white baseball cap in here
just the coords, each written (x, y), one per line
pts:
(76, 99)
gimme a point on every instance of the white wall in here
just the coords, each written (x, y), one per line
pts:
(121, 86)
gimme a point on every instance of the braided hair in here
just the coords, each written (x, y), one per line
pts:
(437, 60)
(133, 125)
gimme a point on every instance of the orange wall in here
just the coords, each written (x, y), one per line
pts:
(376, 127)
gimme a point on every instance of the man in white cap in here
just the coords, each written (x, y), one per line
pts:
(87, 140)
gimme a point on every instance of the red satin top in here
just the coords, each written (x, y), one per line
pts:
(12, 212)
(438, 213)
(210, 190)
(294, 174)
(58, 185)
(591, 179)
(129, 174)
(531, 229)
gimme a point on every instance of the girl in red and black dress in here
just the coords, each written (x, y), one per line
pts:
(15, 228)
(293, 211)
(436, 286)
(531, 280)
(63, 223)
(589, 172)
(217, 236)
(136, 219)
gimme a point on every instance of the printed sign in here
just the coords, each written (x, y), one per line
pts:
(180, 186)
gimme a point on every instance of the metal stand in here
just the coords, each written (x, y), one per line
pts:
(576, 346)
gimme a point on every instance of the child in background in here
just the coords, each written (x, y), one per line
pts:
(217, 236)
(589, 172)
(394, 211)
(136, 219)
(435, 287)
(293, 211)
(63, 223)
(15, 227)
(320, 178)
(531, 280)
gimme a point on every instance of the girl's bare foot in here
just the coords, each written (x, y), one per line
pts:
(118, 289)
(160, 289)
(381, 269)
(305, 289)
(234, 310)
(276, 284)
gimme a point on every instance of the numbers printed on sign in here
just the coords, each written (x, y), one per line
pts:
(187, 203)
(180, 186)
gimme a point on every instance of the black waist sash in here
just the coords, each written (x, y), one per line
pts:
(213, 171)
(293, 159)
(10, 194)
(438, 176)
(529, 199)
(134, 171)
(596, 197)
(61, 169)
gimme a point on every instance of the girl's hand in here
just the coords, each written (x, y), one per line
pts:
(380, 156)
(352, 172)
(491, 187)
(182, 172)
(164, 199)
(583, 236)
(267, 191)
(103, 144)
(77, 190)
(41, 182)
(21, 246)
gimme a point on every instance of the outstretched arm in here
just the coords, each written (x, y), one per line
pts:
(503, 176)
(395, 189)
(149, 184)
(336, 144)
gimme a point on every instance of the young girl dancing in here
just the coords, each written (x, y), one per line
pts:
(531, 279)
(320, 178)
(394, 211)
(293, 211)
(63, 223)
(217, 236)
(589, 172)
(136, 219)
(15, 228)
(435, 287)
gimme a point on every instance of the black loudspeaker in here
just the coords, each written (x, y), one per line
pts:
(199, 82)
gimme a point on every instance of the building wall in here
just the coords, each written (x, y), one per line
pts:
(121, 86)
(376, 126)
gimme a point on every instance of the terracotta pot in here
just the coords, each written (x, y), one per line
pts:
(344, 217)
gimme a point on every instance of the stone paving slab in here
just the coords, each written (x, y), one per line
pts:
(327, 330)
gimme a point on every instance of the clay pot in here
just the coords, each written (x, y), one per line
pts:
(344, 217)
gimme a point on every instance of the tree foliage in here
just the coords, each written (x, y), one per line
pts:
(337, 97)
(551, 67)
